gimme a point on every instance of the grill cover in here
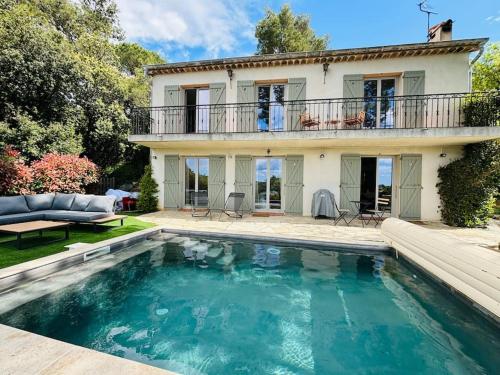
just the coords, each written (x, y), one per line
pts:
(323, 203)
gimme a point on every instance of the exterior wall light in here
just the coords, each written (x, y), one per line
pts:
(325, 69)
(230, 73)
(322, 156)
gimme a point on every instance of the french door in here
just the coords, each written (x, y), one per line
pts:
(268, 183)
(271, 108)
(379, 103)
(195, 177)
(197, 110)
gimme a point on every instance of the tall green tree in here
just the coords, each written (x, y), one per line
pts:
(286, 32)
(68, 80)
(486, 74)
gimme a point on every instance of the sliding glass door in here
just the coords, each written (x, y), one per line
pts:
(268, 183)
(196, 178)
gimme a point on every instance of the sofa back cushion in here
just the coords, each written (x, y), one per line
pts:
(40, 202)
(81, 202)
(13, 205)
(101, 203)
(63, 201)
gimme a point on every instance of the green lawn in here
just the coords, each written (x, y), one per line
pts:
(34, 247)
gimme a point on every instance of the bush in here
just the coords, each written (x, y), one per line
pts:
(148, 194)
(467, 186)
(482, 111)
(15, 177)
(63, 173)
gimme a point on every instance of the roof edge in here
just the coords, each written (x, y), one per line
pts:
(412, 49)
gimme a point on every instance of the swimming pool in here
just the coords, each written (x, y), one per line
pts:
(208, 306)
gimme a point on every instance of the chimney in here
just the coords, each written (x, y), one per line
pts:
(440, 32)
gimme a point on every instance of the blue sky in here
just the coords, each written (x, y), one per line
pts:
(183, 30)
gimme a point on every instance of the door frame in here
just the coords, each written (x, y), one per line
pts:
(393, 175)
(268, 183)
(379, 90)
(285, 98)
(183, 173)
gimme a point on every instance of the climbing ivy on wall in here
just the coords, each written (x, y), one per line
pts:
(468, 186)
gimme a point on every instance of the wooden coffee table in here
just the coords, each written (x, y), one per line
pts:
(35, 226)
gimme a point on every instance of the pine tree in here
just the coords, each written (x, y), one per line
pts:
(148, 196)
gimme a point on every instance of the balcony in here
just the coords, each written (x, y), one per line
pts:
(374, 117)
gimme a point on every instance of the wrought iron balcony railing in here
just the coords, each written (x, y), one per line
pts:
(395, 112)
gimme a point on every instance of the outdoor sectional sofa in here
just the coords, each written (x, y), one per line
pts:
(78, 208)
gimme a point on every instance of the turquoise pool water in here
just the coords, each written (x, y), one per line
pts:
(204, 306)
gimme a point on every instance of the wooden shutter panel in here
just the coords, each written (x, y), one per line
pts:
(217, 108)
(353, 90)
(296, 92)
(413, 107)
(350, 181)
(410, 187)
(172, 196)
(216, 181)
(294, 186)
(243, 181)
(246, 120)
(173, 115)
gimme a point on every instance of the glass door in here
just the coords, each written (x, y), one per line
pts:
(268, 183)
(379, 103)
(195, 178)
(197, 110)
(271, 108)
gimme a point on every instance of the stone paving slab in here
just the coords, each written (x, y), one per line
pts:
(23, 352)
(303, 227)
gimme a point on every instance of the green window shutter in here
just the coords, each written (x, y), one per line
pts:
(173, 116)
(243, 181)
(245, 118)
(216, 181)
(294, 186)
(353, 88)
(296, 91)
(172, 186)
(413, 108)
(410, 187)
(350, 181)
(217, 108)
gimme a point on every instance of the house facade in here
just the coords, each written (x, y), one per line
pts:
(371, 125)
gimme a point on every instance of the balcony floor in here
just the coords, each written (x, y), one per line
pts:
(323, 138)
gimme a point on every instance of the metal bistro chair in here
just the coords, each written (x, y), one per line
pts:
(343, 212)
(232, 207)
(199, 204)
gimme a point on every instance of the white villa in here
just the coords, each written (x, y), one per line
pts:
(369, 124)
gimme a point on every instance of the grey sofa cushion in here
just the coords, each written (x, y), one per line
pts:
(21, 218)
(101, 203)
(13, 205)
(63, 201)
(40, 202)
(81, 202)
(77, 216)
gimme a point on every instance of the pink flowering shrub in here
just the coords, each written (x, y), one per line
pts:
(63, 173)
(15, 176)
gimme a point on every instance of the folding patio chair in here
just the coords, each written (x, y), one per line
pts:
(199, 204)
(343, 212)
(232, 207)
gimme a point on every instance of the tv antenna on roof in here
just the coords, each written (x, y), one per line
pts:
(426, 8)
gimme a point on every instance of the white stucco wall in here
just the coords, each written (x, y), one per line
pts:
(325, 173)
(443, 74)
